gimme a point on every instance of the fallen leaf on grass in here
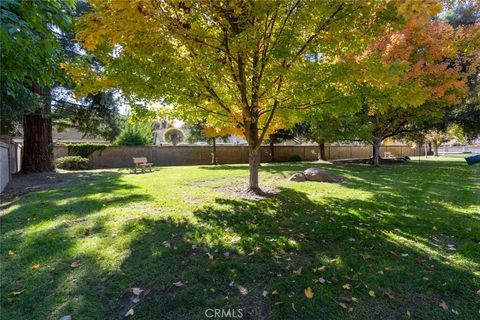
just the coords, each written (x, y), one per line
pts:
(478, 292)
(274, 292)
(468, 229)
(371, 293)
(135, 299)
(278, 303)
(319, 269)
(389, 295)
(264, 293)
(343, 305)
(178, 284)
(209, 256)
(443, 305)
(345, 299)
(11, 253)
(293, 307)
(297, 272)
(13, 294)
(68, 317)
(137, 291)
(309, 293)
(347, 287)
(166, 244)
(35, 266)
(354, 299)
(243, 290)
(321, 280)
(129, 313)
(75, 264)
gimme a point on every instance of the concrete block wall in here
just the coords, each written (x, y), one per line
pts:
(121, 156)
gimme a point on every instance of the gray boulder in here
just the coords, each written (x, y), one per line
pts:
(315, 174)
(298, 177)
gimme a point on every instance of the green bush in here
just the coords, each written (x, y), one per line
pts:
(73, 163)
(174, 135)
(135, 134)
(295, 158)
(84, 149)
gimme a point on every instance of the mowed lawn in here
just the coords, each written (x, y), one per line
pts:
(395, 242)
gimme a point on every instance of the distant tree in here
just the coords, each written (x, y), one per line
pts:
(329, 126)
(430, 79)
(456, 132)
(466, 15)
(174, 136)
(135, 134)
(436, 137)
(212, 134)
(276, 137)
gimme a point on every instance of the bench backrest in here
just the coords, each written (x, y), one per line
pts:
(140, 160)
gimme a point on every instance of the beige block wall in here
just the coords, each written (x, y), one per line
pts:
(121, 156)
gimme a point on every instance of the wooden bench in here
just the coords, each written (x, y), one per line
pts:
(142, 164)
(388, 155)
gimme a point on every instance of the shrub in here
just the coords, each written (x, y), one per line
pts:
(135, 134)
(84, 149)
(73, 163)
(174, 135)
(295, 158)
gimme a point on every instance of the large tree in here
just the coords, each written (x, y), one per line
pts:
(31, 56)
(36, 38)
(241, 64)
(428, 57)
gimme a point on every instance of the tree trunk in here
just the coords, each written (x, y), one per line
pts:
(321, 151)
(253, 163)
(37, 144)
(435, 148)
(376, 151)
(430, 151)
(214, 152)
(272, 152)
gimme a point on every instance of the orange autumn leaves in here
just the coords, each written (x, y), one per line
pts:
(432, 55)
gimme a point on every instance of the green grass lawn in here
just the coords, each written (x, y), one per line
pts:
(409, 234)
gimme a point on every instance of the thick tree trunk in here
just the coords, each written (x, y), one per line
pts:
(253, 163)
(214, 152)
(376, 151)
(37, 144)
(321, 151)
(272, 152)
(429, 151)
(435, 148)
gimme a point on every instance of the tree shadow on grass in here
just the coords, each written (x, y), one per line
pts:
(49, 259)
(227, 253)
(234, 250)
